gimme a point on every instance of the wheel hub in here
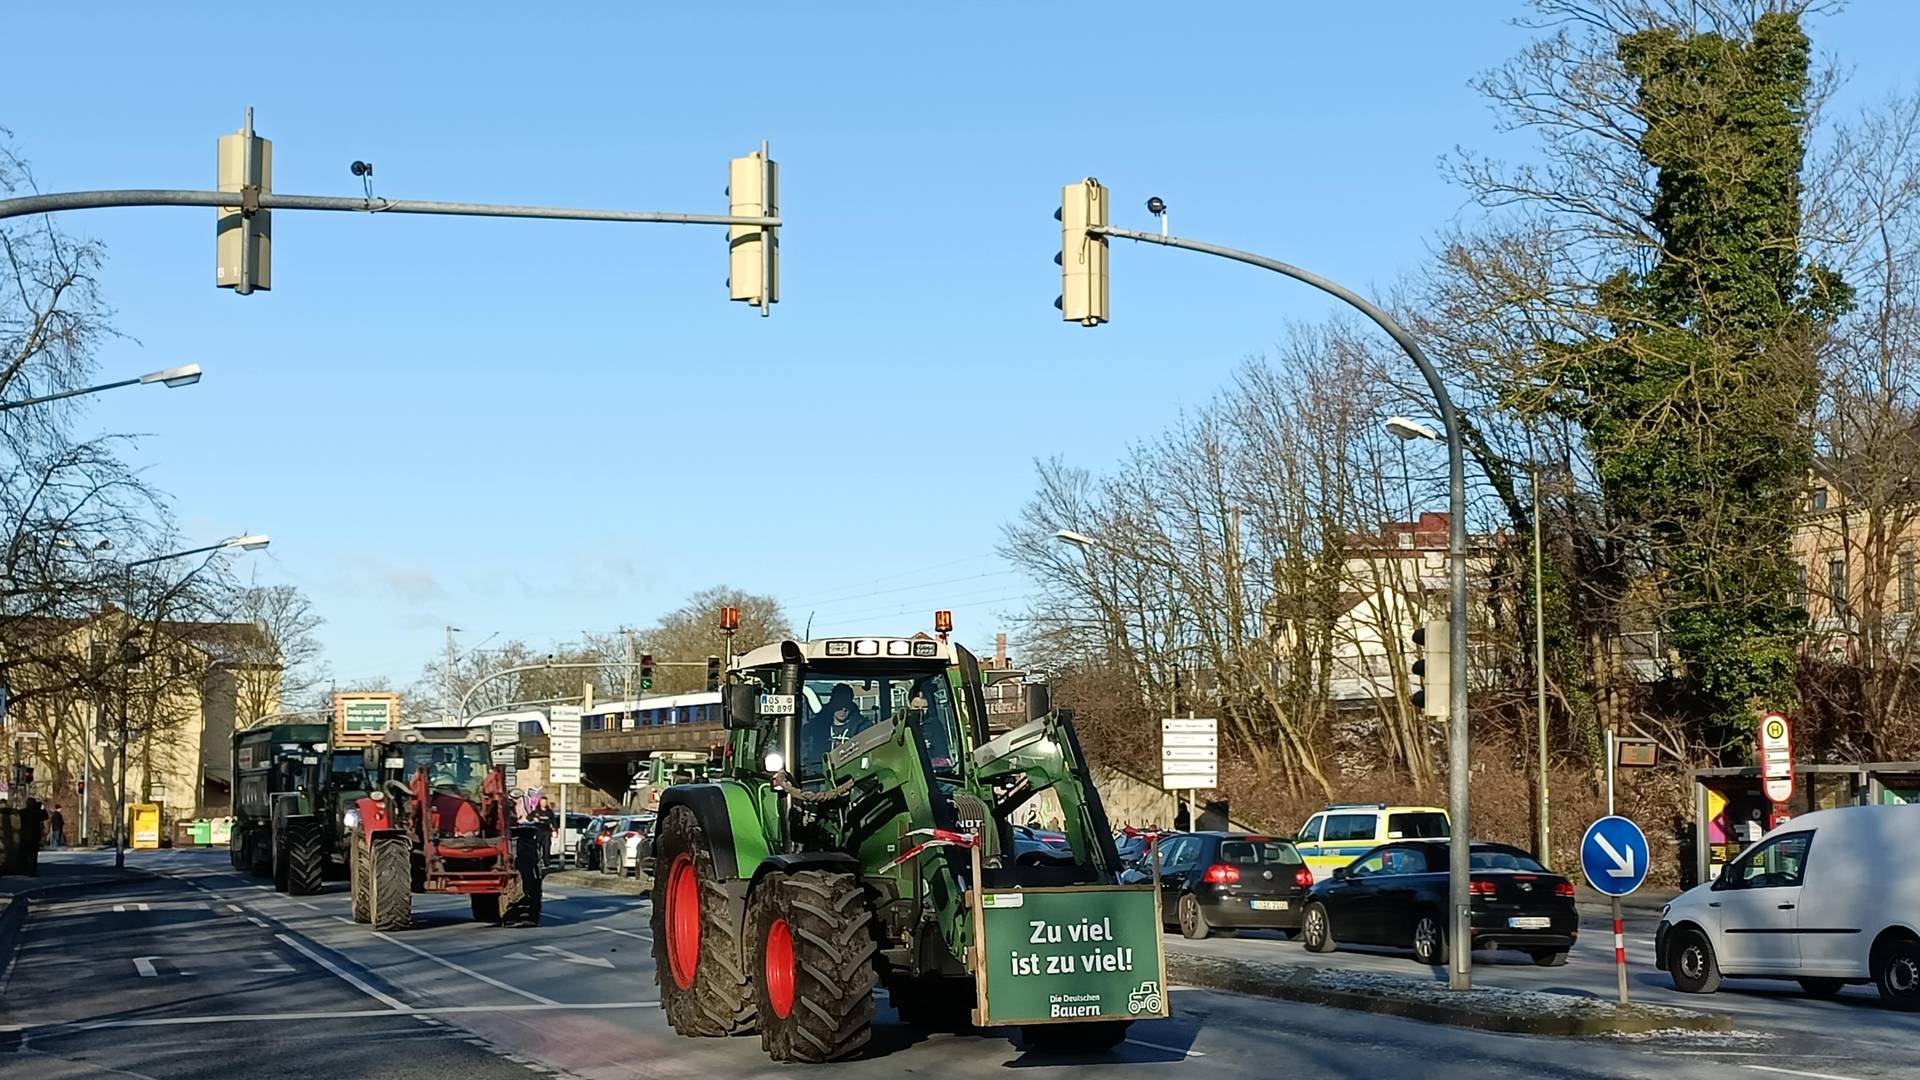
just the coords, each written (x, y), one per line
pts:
(778, 968)
(1903, 976)
(683, 921)
(1424, 933)
(1693, 962)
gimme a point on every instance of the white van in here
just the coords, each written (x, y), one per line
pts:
(1828, 898)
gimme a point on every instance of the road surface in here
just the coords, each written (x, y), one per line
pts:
(202, 972)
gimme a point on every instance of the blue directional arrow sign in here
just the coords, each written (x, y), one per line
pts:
(1613, 855)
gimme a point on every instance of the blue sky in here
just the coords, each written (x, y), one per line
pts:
(540, 428)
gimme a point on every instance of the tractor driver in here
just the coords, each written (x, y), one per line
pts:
(836, 722)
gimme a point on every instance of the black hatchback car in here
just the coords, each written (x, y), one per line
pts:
(1231, 881)
(1396, 895)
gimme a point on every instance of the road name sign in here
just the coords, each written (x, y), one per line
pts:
(1613, 856)
(1189, 753)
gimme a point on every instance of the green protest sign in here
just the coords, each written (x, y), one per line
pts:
(1086, 953)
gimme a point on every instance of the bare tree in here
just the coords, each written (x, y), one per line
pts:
(280, 660)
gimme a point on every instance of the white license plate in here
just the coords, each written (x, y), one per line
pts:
(1269, 905)
(1529, 922)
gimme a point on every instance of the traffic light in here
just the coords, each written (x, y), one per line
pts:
(246, 165)
(646, 671)
(713, 674)
(1432, 669)
(1083, 256)
(22, 776)
(753, 190)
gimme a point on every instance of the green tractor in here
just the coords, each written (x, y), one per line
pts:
(290, 790)
(859, 832)
(661, 770)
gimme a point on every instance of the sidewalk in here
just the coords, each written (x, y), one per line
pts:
(56, 874)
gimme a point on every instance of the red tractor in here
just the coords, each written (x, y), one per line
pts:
(440, 820)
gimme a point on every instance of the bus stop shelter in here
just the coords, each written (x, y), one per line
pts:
(1730, 808)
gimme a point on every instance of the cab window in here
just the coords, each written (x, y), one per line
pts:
(1258, 850)
(1310, 832)
(1417, 825)
(1778, 863)
(1346, 827)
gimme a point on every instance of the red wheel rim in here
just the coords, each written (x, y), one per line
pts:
(779, 968)
(683, 921)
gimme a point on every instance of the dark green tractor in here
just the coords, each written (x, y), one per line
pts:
(291, 788)
(835, 848)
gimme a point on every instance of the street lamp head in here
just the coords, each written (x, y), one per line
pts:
(246, 543)
(1074, 538)
(1401, 427)
(184, 375)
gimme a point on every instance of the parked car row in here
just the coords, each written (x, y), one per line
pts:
(612, 843)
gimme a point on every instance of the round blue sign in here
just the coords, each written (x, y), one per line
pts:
(1613, 856)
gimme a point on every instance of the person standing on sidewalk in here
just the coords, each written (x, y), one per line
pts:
(32, 821)
(56, 828)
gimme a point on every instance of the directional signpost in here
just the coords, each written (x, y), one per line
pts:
(1190, 759)
(1613, 856)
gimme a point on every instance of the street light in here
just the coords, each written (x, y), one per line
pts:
(1402, 428)
(247, 542)
(184, 375)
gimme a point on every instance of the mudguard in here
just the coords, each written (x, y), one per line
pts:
(727, 815)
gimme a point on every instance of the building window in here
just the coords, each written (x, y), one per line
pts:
(1906, 581)
(1837, 586)
(1819, 500)
(1800, 587)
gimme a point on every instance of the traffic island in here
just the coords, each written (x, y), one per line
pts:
(594, 879)
(1519, 1012)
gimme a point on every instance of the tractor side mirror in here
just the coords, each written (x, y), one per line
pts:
(521, 759)
(1039, 701)
(742, 702)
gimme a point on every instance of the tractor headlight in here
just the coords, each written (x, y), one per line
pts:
(776, 761)
(351, 819)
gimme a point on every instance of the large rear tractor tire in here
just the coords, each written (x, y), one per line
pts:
(520, 904)
(1089, 1037)
(814, 944)
(697, 959)
(486, 907)
(392, 883)
(306, 858)
(359, 880)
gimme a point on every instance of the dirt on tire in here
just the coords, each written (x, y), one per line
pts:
(718, 1000)
(306, 858)
(359, 880)
(830, 963)
(392, 883)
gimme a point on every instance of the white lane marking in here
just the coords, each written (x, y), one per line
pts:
(555, 896)
(256, 886)
(451, 966)
(131, 907)
(234, 908)
(346, 976)
(144, 965)
(1168, 1049)
(642, 935)
(341, 1014)
(1798, 1072)
(256, 920)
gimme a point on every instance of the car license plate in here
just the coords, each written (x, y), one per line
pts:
(1269, 905)
(1529, 922)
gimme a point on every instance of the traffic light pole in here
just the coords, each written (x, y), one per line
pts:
(1459, 867)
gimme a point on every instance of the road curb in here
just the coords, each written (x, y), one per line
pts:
(1517, 1012)
(593, 879)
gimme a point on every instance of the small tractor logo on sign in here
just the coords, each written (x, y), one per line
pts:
(1144, 1000)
